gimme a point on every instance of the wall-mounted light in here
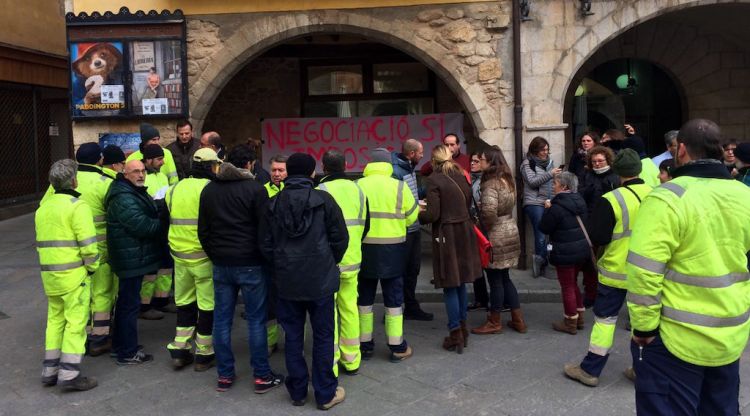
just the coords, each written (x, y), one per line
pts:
(586, 8)
(626, 83)
(580, 91)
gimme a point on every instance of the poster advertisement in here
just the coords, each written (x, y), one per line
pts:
(96, 70)
(157, 77)
(355, 137)
(128, 142)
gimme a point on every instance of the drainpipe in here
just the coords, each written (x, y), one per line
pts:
(518, 129)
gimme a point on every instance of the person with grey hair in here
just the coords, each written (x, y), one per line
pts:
(68, 255)
(571, 253)
(670, 140)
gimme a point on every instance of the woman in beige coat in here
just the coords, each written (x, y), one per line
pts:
(496, 217)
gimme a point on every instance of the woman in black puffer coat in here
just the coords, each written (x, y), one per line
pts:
(570, 249)
(599, 177)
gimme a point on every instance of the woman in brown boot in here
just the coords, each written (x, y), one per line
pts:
(498, 198)
(571, 253)
(455, 259)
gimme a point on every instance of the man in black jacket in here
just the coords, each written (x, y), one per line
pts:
(230, 211)
(304, 235)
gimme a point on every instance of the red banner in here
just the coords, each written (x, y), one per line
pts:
(356, 136)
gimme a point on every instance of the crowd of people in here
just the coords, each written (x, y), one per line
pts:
(117, 235)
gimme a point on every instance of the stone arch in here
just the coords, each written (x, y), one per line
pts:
(254, 38)
(626, 17)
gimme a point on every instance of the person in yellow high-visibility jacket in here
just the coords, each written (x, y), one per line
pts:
(392, 209)
(610, 226)
(688, 283)
(193, 271)
(68, 255)
(150, 135)
(353, 204)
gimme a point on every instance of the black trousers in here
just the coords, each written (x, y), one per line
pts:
(413, 262)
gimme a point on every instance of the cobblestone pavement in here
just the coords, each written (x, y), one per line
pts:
(507, 374)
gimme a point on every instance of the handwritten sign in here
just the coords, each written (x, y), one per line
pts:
(356, 136)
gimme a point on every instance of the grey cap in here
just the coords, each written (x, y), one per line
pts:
(380, 154)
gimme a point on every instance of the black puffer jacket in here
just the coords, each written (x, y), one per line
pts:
(304, 235)
(133, 230)
(594, 185)
(231, 207)
(569, 245)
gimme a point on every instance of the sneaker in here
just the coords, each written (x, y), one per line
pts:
(224, 383)
(267, 383)
(79, 383)
(49, 381)
(151, 315)
(113, 352)
(418, 315)
(575, 372)
(298, 402)
(337, 398)
(182, 362)
(505, 308)
(397, 357)
(476, 306)
(201, 367)
(367, 354)
(140, 357)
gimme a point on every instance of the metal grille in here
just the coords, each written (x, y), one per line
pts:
(24, 142)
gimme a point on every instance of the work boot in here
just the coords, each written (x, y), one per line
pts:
(568, 325)
(401, 356)
(454, 342)
(367, 354)
(418, 315)
(168, 308)
(629, 374)
(201, 367)
(151, 315)
(516, 321)
(49, 381)
(492, 326)
(575, 372)
(337, 398)
(80, 383)
(465, 333)
(182, 362)
(97, 350)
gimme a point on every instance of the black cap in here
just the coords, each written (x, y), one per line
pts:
(148, 132)
(113, 154)
(152, 151)
(89, 153)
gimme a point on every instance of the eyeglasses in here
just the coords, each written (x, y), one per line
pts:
(474, 160)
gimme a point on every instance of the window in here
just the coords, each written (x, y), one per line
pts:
(362, 89)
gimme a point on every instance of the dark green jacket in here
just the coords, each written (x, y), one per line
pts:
(133, 230)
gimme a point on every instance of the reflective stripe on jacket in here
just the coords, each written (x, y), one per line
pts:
(350, 198)
(625, 202)
(66, 242)
(183, 201)
(392, 205)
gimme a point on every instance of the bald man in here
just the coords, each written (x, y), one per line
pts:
(134, 234)
(212, 140)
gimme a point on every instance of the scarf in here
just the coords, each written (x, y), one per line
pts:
(539, 162)
(599, 171)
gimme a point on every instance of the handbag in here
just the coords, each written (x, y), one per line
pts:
(483, 243)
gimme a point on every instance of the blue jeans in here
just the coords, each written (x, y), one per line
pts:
(455, 305)
(125, 340)
(535, 212)
(252, 282)
(292, 316)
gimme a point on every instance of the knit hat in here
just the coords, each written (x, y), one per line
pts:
(113, 154)
(627, 163)
(380, 154)
(152, 151)
(300, 164)
(742, 152)
(89, 153)
(148, 132)
(206, 154)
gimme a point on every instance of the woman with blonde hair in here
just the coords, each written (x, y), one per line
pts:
(455, 257)
(496, 215)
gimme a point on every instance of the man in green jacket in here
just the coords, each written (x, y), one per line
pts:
(133, 230)
(687, 280)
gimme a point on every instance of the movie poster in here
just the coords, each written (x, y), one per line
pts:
(97, 79)
(157, 77)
